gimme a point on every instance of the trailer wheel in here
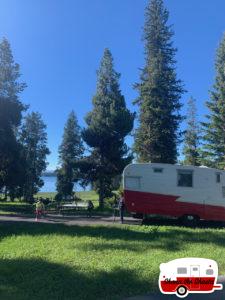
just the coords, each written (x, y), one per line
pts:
(182, 291)
(190, 220)
(137, 216)
(144, 219)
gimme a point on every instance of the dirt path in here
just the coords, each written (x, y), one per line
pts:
(71, 220)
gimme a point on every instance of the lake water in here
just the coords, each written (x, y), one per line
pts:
(50, 185)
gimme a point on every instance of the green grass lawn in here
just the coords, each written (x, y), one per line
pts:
(52, 261)
(86, 195)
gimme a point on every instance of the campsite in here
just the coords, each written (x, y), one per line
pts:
(112, 149)
(95, 261)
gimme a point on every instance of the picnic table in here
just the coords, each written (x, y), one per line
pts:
(75, 206)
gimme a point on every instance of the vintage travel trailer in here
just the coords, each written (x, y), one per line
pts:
(189, 275)
(189, 192)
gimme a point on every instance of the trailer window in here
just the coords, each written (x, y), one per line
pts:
(132, 182)
(209, 272)
(218, 177)
(181, 270)
(158, 170)
(185, 178)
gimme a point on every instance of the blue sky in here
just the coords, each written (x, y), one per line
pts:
(59, 45)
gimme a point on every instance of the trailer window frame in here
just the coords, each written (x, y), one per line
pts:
(182, 270)
(209, 272)
(188, 183)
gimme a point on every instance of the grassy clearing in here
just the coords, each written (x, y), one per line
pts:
(86, 195)
(47, 261)
(25, 208)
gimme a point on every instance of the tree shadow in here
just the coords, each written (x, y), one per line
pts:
(31, 279)
(16, 208)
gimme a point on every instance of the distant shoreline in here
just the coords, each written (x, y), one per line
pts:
(50, 184)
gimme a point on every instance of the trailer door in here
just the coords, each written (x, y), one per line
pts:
(195, 276)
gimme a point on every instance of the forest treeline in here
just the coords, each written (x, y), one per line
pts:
(97, 153)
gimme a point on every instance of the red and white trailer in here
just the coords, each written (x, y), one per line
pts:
(189, 275)
(174, 190)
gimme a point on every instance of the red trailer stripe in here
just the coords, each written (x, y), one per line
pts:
(152, 203)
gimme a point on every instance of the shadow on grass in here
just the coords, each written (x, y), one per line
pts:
(156, 221)
(166, 238)
(30, 279)
(17, 208)
(170, 246)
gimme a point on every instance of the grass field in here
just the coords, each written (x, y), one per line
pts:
(87, 195)
(47, 261)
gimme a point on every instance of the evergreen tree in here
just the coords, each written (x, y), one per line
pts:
(10, 87)
(191, 139)
(70, 152)
(107, 125)
(34, 141)
(159, 91)
(16, 176)
(214, 128)
(11, 109)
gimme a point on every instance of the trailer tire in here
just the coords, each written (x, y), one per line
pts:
(190, 220)
(144, 219)
(137, 216)
(182, 291)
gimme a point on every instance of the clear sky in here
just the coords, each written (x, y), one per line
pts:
(59, 44)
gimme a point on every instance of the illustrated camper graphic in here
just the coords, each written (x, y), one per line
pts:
(186, 192)
(189, 275)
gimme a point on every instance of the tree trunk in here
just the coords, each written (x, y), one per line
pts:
(12, 198)
(101, 196)
(5, 194)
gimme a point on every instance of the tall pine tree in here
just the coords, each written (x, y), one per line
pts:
(11, 109)
(70, 152)
(159, 91)
(107, 126)
(191, 138)
(214, 138)
(34, 140)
